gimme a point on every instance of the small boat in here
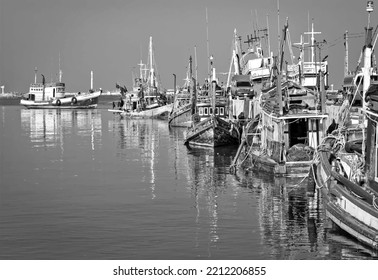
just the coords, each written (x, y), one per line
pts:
(346, 170)
(53, 96)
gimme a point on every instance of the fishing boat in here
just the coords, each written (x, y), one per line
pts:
(147, 98)
(211, 126)
(181, 114)
(251, 70)
(346, 171)
(53, 96)
(282, 138)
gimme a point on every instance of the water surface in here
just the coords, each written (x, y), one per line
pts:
(87, 184)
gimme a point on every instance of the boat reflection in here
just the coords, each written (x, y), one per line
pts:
(290, 218)
(49, 128)
(282, 218)
(139, 140)
(209, 183)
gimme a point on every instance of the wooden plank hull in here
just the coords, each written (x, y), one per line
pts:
(182, 117)
(348, 205)
(212, 132)
(262, 162)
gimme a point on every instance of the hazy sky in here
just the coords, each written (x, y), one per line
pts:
(111, 36)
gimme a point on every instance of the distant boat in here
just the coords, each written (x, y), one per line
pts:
(147, 99)
(53, 96)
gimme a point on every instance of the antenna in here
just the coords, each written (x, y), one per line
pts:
(312, 40)
(278, 24)
(195, 62)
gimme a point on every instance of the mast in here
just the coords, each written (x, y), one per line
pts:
(152, 70)
(195, 63)
(91, 80)
(35, 74)
(213, 83)
(346, 62)
(367, 51)
(60, 71)
(301, 53)
(278, 24)
(267, 28)
(281, 48)
(207, 44)
(366, 70)
(190, 67)
(312, 33)
(43, 87)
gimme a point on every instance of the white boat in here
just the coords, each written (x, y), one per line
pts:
(146, 99)
(53, 96)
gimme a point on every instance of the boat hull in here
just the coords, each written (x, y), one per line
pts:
(87, 101)
(159, 112)
(181, 118)
(261, 162)
(212, 132)
(347, 204)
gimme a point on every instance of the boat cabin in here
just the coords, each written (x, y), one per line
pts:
(311, 74)
(49, 91)
(205, 108)
(258, 68)
(241, 86)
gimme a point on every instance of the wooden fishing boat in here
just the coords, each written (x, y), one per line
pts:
(181, 114)
(347, 168)
(282, 138)
(214, 131)
(53, 96)
(282, 142)
(210, 126)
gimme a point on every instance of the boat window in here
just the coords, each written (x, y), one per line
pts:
(205, 111)
(243, 84)
(210, 111)
(216, 110)
(221, 111)
(200, 111)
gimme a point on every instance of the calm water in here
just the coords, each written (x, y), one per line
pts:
(89, 185)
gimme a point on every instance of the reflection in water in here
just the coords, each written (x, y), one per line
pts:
(290, 219)
(48, 128)
(207, 169)
(141, 137)
(130, 189)
(285, 222)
